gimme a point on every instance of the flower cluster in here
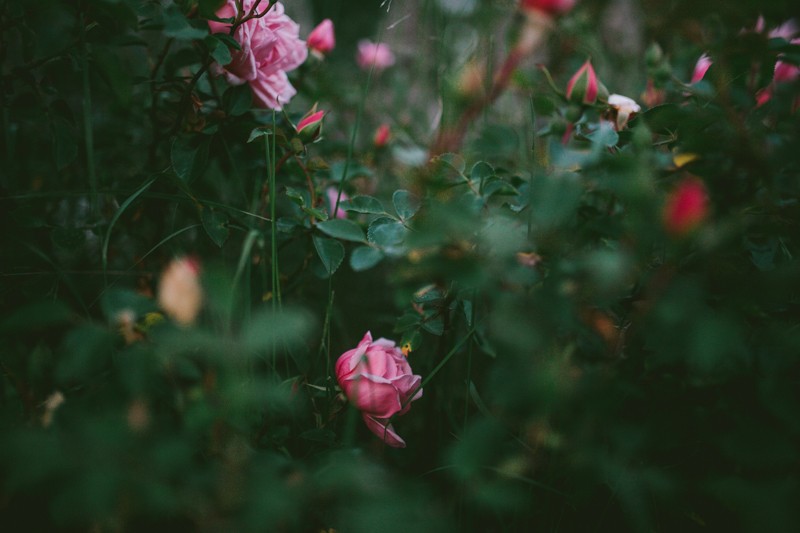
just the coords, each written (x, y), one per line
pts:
(270, 47)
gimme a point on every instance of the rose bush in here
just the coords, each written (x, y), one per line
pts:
(271, 46)
(377, 379)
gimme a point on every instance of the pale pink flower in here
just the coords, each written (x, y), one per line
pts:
(623, 108)
(700, 68)
(322, 39)
(179, 292)
(376, 56)
(332, 193)
(377, 379)
(271, 47)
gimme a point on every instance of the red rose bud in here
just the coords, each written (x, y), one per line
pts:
(310, 126)
(686, 207)
(583, 87)
(382, 136)
(321, 39)
(550, 7)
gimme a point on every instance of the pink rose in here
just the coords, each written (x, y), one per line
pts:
(377, 379)
(321, 39)
(271, 46)
(374, 55)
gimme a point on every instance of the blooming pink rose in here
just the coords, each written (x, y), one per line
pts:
(374, 55)
(686, 207)
(271, 47)
(332, 193)
(551, 7)
(377, 379)
(700, 68)
(321, 39)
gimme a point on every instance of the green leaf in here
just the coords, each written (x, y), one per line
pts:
(364, 258)
(363, 204)
(218, 50)
(386, 232)
(188, 156)
(405, 203)
(176, 25)
(216, 225)
(354, 170)
(454, 161)
(258, 132)
(284, 328)
(85, 352)
(36, 315)
(237, 100)
(341, 228)
(208, 8)
(481, 171)
(330, 252)
(604, 136)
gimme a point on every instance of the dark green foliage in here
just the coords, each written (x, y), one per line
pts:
(587, 364)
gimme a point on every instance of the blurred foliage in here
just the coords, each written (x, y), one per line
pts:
(585, 368)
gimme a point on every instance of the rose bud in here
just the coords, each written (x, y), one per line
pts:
(583, 87)
(321, 40)
(179, 292)
(686, 207)
(377, 56)
(701, 67)
(549, 7)
(310, 126)
(623, 109)
(382, 136)
(377, 379)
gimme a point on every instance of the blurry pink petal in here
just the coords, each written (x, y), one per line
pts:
(700, 68)
(376, 56)
(322, 39)
(384, 432)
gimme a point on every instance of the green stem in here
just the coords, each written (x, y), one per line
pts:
(88, 131)
(533, 169)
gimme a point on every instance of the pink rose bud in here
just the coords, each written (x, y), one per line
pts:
(686, 207)
(332, 193)
(377, 379)
(700, 68)
(623, 109)
(179, 292)
(583, 87)
(376, 56)
(310, 126)
(550, 7)
(382, 136)
(321, 39)
(270, 47)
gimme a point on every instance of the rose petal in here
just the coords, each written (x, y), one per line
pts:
(378, 399)
(384, 432)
